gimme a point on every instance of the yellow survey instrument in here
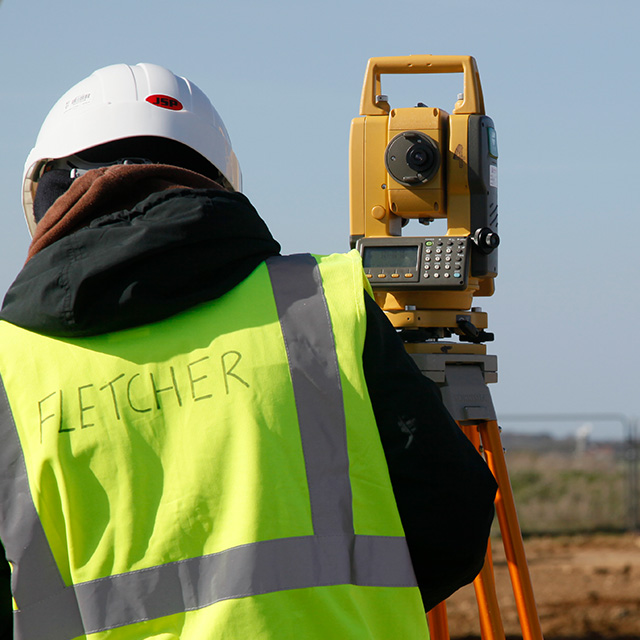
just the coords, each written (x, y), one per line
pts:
(424, 163)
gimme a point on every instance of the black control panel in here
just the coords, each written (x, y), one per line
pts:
(414, 264)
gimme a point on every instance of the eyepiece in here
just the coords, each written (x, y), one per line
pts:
(412, 158)
(421, 157)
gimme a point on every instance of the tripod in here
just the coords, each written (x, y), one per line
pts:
(463, 372)
(440, 165)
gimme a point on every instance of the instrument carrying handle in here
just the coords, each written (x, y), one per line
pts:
(472, 102)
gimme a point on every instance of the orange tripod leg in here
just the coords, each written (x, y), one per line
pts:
(438, 624)
(511, 534)
(485, 585)
(488, 609)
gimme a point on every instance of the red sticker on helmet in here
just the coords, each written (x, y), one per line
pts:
(166, 102)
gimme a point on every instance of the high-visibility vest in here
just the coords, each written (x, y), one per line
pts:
(218, 474)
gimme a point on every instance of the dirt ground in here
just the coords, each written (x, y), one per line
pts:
(586, 588)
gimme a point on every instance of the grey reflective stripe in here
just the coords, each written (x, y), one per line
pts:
(308, 336)
(25, 543)
(262, 567)
(334, 555)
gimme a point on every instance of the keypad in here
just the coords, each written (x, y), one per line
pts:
(444, 258)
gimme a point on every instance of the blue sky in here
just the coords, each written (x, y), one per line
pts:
(560, 81)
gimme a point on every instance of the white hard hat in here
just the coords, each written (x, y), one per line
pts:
(122, 101)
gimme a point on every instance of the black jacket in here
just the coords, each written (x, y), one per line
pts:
(180, 247)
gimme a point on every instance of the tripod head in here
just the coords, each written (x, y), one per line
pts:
(424, 163)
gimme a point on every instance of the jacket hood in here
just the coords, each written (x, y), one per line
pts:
(173, 250)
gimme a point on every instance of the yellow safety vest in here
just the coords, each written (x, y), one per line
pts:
(218, 474)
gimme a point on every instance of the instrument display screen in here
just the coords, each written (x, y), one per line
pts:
(397, 256)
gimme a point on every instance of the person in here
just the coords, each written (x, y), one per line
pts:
(201, 437)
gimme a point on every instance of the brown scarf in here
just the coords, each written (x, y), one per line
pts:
(107, 190)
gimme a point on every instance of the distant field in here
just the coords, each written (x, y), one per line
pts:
(561, 490)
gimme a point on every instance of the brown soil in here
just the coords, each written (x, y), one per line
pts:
(586, 588)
